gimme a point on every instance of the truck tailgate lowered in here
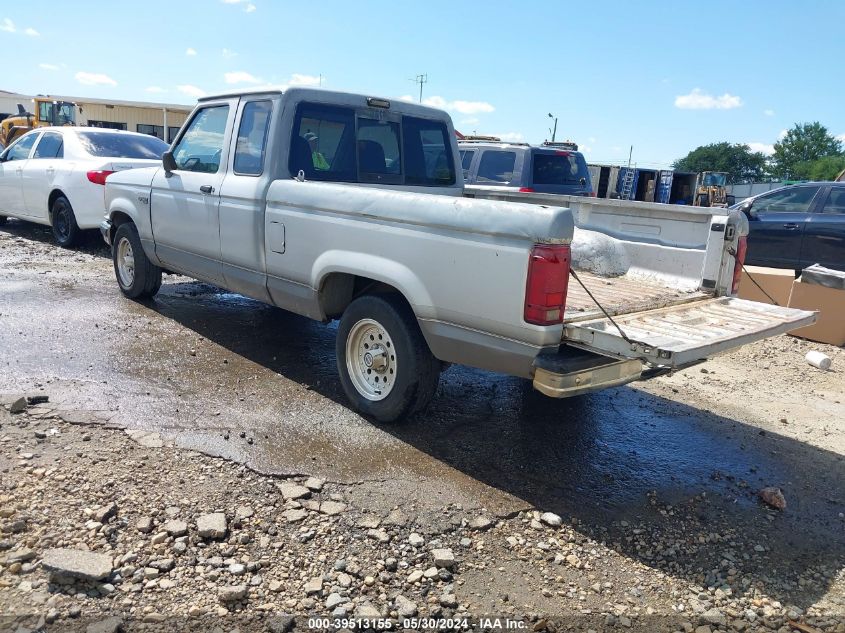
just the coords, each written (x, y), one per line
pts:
(679, 335)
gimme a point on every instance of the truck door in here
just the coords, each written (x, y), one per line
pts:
(185, 204)
(776, 226)
(824, 233)
(242, 200)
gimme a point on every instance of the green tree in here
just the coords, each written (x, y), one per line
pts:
(825, 168)
(804, 143)
(736, 159)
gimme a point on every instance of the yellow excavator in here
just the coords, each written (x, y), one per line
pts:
(47, 112)
(710, 189)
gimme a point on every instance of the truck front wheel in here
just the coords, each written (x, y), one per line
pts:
(385, 366)
(137, 276)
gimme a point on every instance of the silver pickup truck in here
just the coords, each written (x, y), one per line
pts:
(341, 206)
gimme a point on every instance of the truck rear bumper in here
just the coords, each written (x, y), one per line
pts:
(572, 372)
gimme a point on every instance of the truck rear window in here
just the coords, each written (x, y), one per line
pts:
(560, 168)
(111, 145)
(331, 143)
(428, 153)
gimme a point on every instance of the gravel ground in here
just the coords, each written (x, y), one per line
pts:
(108, 525)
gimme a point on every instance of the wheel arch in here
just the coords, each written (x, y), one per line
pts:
(51, 199)
(339, 277)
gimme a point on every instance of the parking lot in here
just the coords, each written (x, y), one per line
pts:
(202, 401)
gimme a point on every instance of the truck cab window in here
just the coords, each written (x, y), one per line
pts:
(323, 143)
(201, 145)
(378, 151)
(252, 138)
(428, 153)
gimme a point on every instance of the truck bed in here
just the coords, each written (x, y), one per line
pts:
(620, 295)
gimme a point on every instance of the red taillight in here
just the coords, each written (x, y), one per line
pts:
(548, 278)
(739, 260)
(561, 153)
(98, 176)
(592, 194)
(526, 190)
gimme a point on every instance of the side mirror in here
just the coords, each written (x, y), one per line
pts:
(168, 162)
(748, 209)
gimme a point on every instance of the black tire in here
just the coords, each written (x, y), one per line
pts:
(417, 370)
(65, 229)
(3, 219)
(145, 279)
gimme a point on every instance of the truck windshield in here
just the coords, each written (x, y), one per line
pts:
(559, 168)
(116, 145)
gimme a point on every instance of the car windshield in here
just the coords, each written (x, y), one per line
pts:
(111, 145)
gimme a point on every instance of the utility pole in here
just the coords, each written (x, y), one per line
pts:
(421, 80)
(554, 131)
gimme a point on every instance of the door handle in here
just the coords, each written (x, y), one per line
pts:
(790, 225)
(207, 189)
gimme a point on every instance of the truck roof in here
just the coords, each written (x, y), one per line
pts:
(335, 97)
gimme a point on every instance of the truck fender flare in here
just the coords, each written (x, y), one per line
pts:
(378, 268)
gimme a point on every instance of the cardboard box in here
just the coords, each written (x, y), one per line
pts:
(830, 302)
(776, 281)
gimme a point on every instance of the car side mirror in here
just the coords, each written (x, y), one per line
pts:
(748, 209)
(168, 162)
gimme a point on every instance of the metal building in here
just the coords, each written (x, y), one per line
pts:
(157, 119)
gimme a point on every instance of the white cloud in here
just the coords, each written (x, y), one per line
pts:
(229, 54)
(48, 66)
(7, 25)
(32, 32)
(297, 79)
(470, 121)
(769, 112)
(697, 99)
(241, 77)
(463, 107)
(154, 89)
(841, 137)
(191, 91)
(249, 7)
(592, 139)
(513, 137)
(782, 134)
(765, 148)
(94, 79)
(407, 98)
(191, 52)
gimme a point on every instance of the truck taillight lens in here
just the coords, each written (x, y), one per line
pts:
(98, 176)
(526, 190)
(739, 260)
(548, 278)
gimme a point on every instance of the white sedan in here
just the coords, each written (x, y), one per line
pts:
(55, 175)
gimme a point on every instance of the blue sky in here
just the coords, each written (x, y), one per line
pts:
(664, 77)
